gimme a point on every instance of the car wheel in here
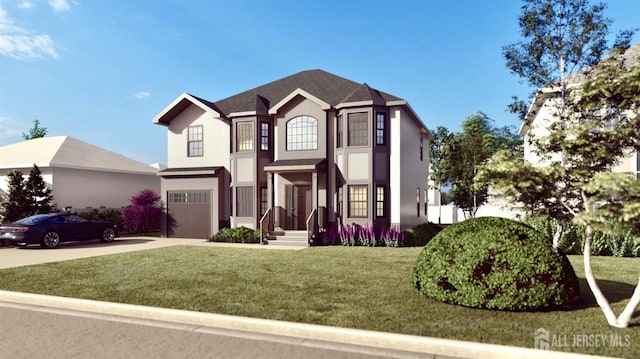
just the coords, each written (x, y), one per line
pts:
(50, 240)
(108, 235)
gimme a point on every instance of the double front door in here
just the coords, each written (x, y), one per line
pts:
(298, 202)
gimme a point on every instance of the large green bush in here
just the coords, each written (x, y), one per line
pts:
(495, 263)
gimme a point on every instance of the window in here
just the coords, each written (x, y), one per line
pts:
(380, 209)
(264, 200)
(244, 136)
(421, 147)
(195, 146)
(340, 201)
(244, 201)
(302, 134)
(189, 197)
(358, 129)
(177, 197)
(380, 129)
(264, 136)
(426, 201)
(358, 201)
(339, 132)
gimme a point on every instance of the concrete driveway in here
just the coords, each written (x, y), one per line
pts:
(16, 257)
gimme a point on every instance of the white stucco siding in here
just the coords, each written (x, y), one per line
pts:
(628, 164)
(539, 127)
(215, 139)
(408, 172)
(82, 188)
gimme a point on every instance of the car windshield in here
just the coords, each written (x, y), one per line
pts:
(33, 219)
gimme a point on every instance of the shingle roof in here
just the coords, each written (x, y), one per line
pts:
(326, 86)
(629, 56)
(67, 152)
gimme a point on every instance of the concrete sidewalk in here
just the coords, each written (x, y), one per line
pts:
(368, 341)
(17, 257)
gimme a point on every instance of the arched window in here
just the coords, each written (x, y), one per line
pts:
(302, 134)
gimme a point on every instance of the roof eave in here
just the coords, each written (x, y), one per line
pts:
(299, 92)
(178, 105)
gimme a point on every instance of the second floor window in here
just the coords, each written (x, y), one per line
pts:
(244, 136)
(339, 132)
(264, 136)
(302, 134)
(358, 129)
(380, 129)
(195, 146)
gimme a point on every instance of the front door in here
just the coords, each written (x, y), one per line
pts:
(298, 206)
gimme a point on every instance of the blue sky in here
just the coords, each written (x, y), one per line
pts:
(99, 71)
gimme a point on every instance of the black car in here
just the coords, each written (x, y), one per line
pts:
(49, 230)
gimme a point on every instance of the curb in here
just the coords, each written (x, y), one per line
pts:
(372, 339)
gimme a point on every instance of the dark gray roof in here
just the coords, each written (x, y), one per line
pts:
(328, 87)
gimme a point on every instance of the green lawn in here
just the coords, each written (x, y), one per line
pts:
(366, 288)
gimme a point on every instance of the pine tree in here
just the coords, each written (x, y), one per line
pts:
(38, 193)
(17, 203)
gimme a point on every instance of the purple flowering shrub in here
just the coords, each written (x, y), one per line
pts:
(144, 214)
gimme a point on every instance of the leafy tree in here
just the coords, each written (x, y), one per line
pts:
(38, 193)
(36, 131)
(560, 38)
(438, 154)
(17, 204)
(585, 141)
(457, 157)
(144, 213)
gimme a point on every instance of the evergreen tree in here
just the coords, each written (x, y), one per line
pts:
(38, 193)
(17, 204)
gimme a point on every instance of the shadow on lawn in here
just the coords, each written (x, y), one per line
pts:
(614, 291)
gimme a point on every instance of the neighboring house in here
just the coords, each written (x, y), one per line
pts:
(542, 113)
(80, 175)
(308, 151)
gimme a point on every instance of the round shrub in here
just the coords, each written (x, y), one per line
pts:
(495, 263)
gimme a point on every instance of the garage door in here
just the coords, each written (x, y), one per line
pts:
(190, 214)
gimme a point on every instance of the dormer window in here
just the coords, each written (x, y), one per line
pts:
(302, 134)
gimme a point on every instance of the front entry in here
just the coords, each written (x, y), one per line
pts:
(298, 201)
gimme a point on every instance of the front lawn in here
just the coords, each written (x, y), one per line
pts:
(365, 288)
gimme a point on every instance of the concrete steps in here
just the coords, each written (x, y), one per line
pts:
(288, 238)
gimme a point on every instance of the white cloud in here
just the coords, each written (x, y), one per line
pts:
(60, 5)
(21, 44)
(25, 5)
(142, 94)
(6, 128)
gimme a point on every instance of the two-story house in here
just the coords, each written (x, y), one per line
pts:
(543, 110)
(311, 149)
